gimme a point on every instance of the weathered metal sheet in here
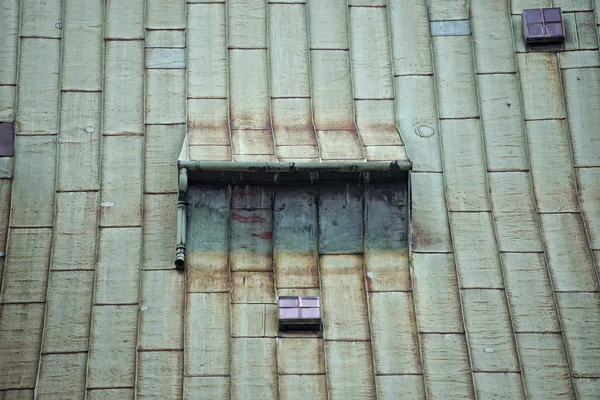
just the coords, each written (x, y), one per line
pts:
(5, 189)
(118, 272)
(159, 233)
(573, 5)
(207, 334)
(417, 118)
(446, 366)
(33, 207)
(165, 84)
(302, 387)
(292, 153)
(6, 167)
(455, 77)
(124, 19)
(457, 27)
(9, 42)
(295, 237)
(210, 153)
(570, 26)
(489, 330)
(20, 339)
(376, 122)
(569, 258)
(370, 53)
(540, 86)
(586, 35)
(331, 87)
(62, 376)
(385, 153)
(252, 142)
(112, 355)
(254, 158)
(161, 310)
(328, 25)
(162, 147)
(514, 211)
(207, 71)
(160, 374)
(124, 87)
(82, 45)
(435, 287)
(587, 388)
(292, 122)
(165, 38)
(17, 394)
(477, 259)
(579, 59)
(247, 23)
(253, 320)
(499, 385)
(529, 293)
(544, 366)
(357, 382)
(249, 103)
(166, 58)
(344, 298)
(41, 19)
(75, 230)
(429, 225)
(464, 165)
(502, 119)
(38, 89)
(26, 267)
(492, 37)
(7, 103)
(300, 356)
(551, 168)
(208, 249)
(209, 387)
(288, 50)
(251, 240)
(68, 311)
(168, 14)
(208, 122)
(409, 28)
(122, 181)
(340, 145)
(252, 287)
(79, 141)
(517, 6)
(253, 368)
(340, 219)
(247, 197)
(588, 180)
(580, 317)
(110, 394)
(394, 332)
(582, 89)
(440, 10)
(386, 238)
(400, 387)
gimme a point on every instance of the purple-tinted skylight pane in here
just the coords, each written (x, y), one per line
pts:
(552, 15)
(554, 29)
(309, 302)
(535, 30)
(532, 15)
(288, 302)
(289, 313)
(310, 313)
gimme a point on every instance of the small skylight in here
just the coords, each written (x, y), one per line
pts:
(299, 314)
(543, 25)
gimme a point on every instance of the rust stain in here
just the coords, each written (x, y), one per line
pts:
(267, 235)
(250, 219)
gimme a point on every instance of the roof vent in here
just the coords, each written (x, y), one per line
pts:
(543, 25)
(299, 314)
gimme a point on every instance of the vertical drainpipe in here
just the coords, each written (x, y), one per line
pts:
(181, 219)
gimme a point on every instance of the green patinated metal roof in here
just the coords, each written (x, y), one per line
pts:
(500, 298)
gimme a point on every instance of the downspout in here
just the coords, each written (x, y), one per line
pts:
(181, 219)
